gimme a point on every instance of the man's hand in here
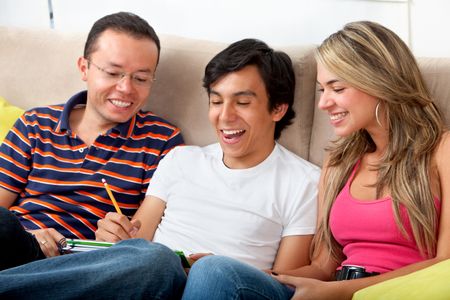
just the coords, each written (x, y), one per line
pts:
(48, 239)
(116, 227)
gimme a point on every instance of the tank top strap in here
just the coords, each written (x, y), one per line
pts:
(352, 175)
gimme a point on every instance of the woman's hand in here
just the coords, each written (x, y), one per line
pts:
(308, 288)
(48, 239)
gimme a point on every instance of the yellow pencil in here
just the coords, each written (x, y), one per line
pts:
(111, 196)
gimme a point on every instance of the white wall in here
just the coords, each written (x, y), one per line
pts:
(24, 13)
(430, 25)
(421, 23)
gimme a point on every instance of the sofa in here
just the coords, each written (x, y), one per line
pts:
(38, 67)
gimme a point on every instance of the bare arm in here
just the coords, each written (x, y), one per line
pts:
(292, 253)
(149, 215)
(321, 267)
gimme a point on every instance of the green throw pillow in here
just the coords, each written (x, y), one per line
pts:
(430, 283)
(8, 115)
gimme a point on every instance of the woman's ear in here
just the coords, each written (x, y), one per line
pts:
(279, 111)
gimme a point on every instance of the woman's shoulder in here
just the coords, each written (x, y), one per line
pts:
(440, 165)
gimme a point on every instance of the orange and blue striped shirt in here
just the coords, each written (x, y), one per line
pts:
(58, 178)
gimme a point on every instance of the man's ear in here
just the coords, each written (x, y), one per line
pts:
(83, 67)
(279, 111)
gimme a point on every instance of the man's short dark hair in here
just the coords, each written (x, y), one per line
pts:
(275, 68)
(125, 22)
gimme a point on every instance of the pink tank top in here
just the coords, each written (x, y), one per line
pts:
(367, 231)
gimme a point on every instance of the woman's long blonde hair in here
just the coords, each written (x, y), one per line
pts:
(373, 59)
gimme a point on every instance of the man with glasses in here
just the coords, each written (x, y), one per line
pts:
(54, 159)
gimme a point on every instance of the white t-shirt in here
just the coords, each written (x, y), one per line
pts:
(240, 213)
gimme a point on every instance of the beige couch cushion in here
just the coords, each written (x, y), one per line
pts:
(39, 67)
(297, 136)
(436, 72)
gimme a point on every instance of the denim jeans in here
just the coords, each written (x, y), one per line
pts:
(17, 246)
(219, 277)
(132, 269)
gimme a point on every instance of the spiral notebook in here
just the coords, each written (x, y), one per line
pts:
(67, 246)
(76, 245)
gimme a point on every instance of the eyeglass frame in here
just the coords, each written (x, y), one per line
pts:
(119, 76)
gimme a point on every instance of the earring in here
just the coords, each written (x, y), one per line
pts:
(376, 114)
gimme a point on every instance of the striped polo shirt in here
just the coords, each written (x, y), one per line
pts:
(59, 179)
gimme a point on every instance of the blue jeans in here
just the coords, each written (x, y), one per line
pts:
(219, 277)
(132, 269)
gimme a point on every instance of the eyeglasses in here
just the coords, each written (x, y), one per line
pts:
(140, 78)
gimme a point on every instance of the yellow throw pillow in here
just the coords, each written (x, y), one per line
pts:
(8, 116)
(429, 283)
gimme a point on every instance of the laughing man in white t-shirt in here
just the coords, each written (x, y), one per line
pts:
(246, 197)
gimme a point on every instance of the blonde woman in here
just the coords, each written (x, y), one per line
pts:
(385, 185)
